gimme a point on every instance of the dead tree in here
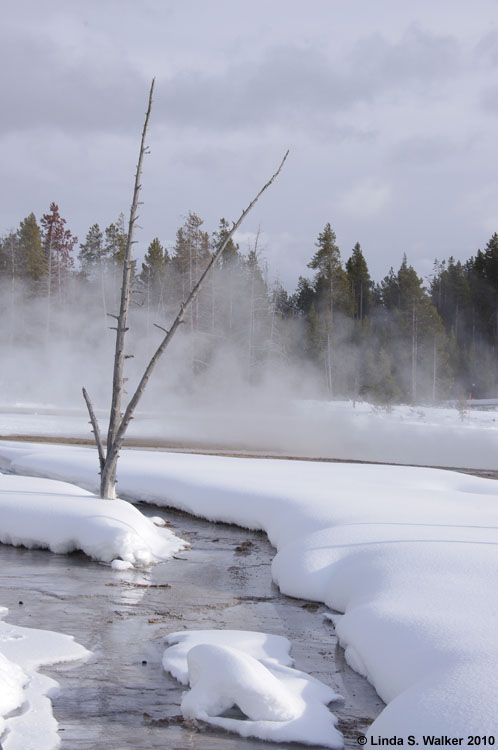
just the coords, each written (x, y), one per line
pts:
(118, 422)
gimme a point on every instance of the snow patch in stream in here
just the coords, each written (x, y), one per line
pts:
(227, 668)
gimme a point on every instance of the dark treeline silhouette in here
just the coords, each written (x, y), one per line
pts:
(395, 341)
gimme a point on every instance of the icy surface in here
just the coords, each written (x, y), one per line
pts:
(407, 554)
(63, 518)
(249, 670)
(26, 720)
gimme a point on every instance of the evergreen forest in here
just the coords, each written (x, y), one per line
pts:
(399, 340)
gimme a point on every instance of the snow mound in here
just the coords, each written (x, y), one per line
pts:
(258, 645)
(222, 676)
(281, 704)
(63, 518)
(24, 691)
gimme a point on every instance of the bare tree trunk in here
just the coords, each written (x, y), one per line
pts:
(12, 291)
(434, 372)
(108, 476)
(49, 286)
(329, 366)
(102, 286)
(108, 469)
(414, 354)
(118, 423)
(251, 329)
(330, 345)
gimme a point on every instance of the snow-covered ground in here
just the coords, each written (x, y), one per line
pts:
(425, 436)
(408, 555)
(26, 720)
(64, 518)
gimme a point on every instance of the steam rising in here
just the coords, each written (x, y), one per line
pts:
(238, 400)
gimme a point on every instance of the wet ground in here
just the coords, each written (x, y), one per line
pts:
(122, 698)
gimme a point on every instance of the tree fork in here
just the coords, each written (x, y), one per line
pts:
(118, 422)
(114, 447)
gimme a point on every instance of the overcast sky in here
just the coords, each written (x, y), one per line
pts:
(389, 109)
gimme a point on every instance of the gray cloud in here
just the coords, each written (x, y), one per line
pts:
(419, 59)
(486, 50)
(422, 150)
(489, 100)
(300, 86)
(361, 94)
(45, 89)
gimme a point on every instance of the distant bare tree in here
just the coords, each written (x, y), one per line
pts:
(119, 421)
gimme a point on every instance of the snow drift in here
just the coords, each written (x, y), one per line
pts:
(407, 554)
(63, 518)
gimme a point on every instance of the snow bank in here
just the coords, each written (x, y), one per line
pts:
(229, 668)
(63, 518)
(23, 691)
(407, 554)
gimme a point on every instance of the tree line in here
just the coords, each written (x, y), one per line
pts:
(400, 340)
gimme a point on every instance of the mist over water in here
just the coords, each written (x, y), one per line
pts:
(242, 397)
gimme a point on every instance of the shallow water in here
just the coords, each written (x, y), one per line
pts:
(122, 698)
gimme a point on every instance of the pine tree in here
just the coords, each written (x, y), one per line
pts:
(360, 282)
(192, 251)
(231, 253)
(304, 297)
(91, 251)
(421, 329)
(332, 293)
(387, 292)
(30, 251)
(191, 256)
(154, 272)
(115, 241)
(10, 264)
(154, 263)
(58, 244)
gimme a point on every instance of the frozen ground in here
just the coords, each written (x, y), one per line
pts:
(407, 554)
(425, 436)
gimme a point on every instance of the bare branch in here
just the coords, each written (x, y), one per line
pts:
(118, 421)
(114, 446)
(96, 430)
